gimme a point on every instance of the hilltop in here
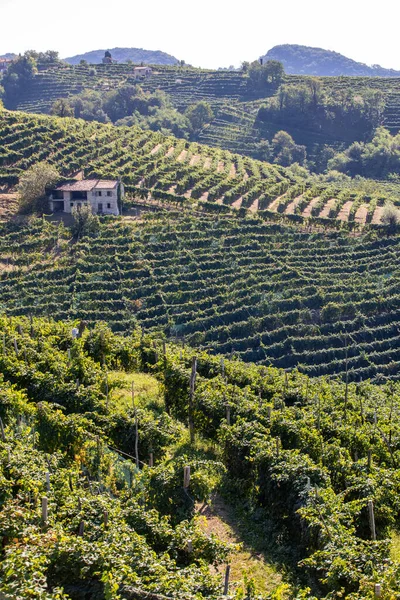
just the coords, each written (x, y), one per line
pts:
(305, 60)
(122, 55)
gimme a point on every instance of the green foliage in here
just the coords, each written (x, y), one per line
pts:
(33, 186)
(84, 221)
(17, 78)
(199, 115)
(378, 158)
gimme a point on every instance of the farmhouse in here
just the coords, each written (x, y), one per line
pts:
(102, 195)
(4, 64)
(142, 72)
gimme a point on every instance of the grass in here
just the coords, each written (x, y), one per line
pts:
(146, 390)
(395, 547)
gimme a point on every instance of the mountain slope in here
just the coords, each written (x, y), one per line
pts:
(136, 55)
(305, 60)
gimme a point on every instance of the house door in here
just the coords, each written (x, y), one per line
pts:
(100, 207)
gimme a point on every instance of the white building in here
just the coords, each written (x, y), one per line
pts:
(142, 72)
(102, 195)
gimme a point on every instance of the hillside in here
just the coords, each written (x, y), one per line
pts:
(236, 105)
(305, 60)
(272, 294)
(172, 170)
(105, 488)
(121, 55)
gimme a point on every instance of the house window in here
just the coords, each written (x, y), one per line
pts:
(72, 205)
(99, 193)
(108, 205)
(109, 194)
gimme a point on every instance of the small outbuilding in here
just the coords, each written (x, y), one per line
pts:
(101, 194)
(142, 72)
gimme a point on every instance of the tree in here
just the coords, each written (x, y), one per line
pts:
(286, 151)
(33, 185)
(199, 114)
(391, 217)
(19, 75)
(84, 221)
(274, 71)
(62, 108)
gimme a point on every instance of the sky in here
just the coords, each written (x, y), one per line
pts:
(206, 33)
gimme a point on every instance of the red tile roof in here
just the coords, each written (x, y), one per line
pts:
(106, 184)
(87, 185)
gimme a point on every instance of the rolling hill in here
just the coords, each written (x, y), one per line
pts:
(305, 60)
(230, 270)
(122, 55)
(235, 104)
(174, 170)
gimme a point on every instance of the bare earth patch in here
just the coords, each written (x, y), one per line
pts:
(207, 163)
(345, 211)
(327, 207)
(254, 207)
(307, 211)
(182, 156)
(293, 205)
(156, 149)
(194, 160)
(8, 205)
(377, 216)
(274, 204)
(361, 214)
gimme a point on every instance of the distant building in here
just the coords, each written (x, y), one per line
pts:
(4, 64)
(142, 72)
(102, 195)
(108, 59)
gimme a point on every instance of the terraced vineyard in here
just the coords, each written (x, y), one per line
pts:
(234, 103)
(169, 169)
(266, 293)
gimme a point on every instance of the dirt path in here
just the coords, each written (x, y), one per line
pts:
(218, 519)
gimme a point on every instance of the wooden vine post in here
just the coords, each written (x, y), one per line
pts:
(45, 509)
(136, 427)
(226, 582)
(2, 432)
(371, 518)
(191, 398)
(186, 477)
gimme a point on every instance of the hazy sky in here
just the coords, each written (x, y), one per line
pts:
(208, 33)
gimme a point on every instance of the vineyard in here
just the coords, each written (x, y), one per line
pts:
(327, 304)
(99, 492)
(235, 104)
(172, 170)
